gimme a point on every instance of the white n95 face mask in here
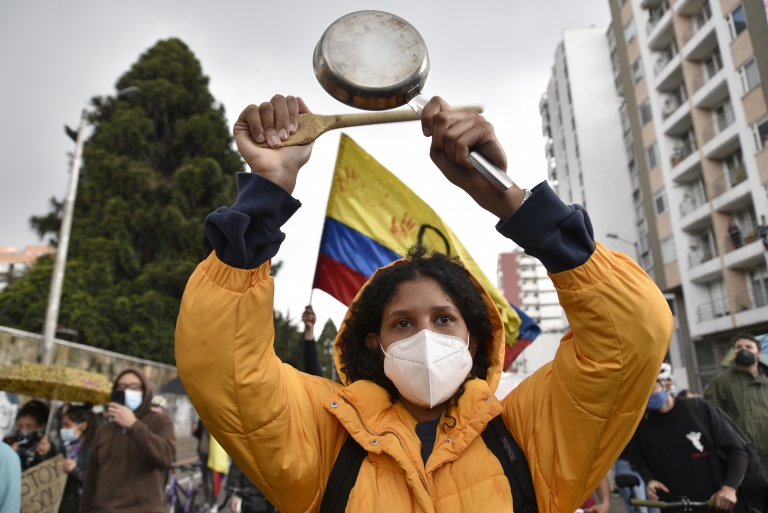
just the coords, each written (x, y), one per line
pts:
(428, 367)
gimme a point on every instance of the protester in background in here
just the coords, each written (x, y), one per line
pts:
(311, 362)
(203, 447)
(246, 498)
(31, 444)
(677, 460)
(10, 480)
(130, 454)
(686, 394)
(78, 428)
(603, 493)
(742, 391)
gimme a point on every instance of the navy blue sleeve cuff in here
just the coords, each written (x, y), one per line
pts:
(247, 234)
(559, 235)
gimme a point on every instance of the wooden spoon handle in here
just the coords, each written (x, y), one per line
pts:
(312, 126)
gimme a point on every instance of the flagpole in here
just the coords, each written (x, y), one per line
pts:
(311, 293)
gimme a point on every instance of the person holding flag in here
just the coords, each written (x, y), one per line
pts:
(420, 351)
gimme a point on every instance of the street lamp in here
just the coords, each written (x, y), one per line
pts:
(60, 264)
(627, 241)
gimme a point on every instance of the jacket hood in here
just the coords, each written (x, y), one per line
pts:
(146, 401)
(495, 345)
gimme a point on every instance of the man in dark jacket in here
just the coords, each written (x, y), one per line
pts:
(130, 454)
(742, 391)
(676, 459)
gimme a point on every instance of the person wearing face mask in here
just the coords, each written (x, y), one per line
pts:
(77, 432)
(421, 350)
(31, 444)
(129, 454)
(742, 391)
(676, 459)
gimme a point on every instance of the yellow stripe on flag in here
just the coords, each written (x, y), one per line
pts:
(368, 198)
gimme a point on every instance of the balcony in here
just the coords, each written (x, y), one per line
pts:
(688, 7)
(695, 216)
(744, 253)
(735, 198)
(700, 39)
(721, 137)
(711, 92)
(668, 73)
(659, 28)
(732, 178)
(686, 162)
(751, 306)
(714, 309)
(704, 265)
(708, 71)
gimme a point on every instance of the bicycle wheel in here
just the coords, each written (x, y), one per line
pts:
(199, 504)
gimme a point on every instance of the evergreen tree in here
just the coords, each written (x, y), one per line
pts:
(156, 164)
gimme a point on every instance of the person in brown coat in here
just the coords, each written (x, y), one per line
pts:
(129, 456)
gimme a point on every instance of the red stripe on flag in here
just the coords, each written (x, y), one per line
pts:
(511, 353)
(337, 279)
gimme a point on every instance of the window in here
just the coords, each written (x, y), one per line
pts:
(638, 72)
(668, 251)
(630, 31)
(645, 112)
(760, 133)
(737, 21)
(660, 201)
(750, 78)
(652, 155)
(637, 193)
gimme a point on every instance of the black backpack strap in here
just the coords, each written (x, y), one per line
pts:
(343, 477)
(502, 444)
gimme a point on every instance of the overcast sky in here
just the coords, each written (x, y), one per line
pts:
(54, 56)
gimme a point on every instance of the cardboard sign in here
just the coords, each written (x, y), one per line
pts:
(42, 486)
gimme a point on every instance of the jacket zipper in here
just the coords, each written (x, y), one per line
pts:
(360, 416)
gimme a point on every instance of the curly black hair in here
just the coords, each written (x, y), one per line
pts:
(361, 362)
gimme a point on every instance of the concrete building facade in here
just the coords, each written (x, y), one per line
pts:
(691, 74)
(524, 282)
(587, 162)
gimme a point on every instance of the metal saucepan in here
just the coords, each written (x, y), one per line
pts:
(374, 60)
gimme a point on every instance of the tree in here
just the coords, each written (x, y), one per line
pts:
(156, 165)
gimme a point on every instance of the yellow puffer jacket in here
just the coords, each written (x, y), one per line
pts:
(284, 428)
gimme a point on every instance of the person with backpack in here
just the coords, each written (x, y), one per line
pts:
(677, 450)
(414, 424)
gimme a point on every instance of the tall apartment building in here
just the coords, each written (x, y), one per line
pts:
(524, 282)
(695, 126)
(586, 159)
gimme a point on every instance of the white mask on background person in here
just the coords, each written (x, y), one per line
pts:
(133, 399)
(428, 367)
(69, 435)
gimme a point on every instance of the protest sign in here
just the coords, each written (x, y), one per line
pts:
(42, 486)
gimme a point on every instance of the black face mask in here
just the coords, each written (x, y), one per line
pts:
(745, 358)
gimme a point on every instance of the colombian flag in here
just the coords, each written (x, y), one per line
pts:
(372, 219)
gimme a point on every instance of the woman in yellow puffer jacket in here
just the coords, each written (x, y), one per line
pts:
(420, 350)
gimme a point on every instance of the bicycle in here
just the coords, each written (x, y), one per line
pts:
(682, 504)
(191, 499)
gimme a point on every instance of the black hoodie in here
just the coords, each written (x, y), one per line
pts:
(126, 468)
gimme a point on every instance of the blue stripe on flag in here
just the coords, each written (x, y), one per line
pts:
(353, 249)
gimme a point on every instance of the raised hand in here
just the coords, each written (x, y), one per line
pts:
(309, 318)
(272, 122)
(454, 134)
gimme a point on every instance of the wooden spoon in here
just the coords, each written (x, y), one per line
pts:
(312, 126)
